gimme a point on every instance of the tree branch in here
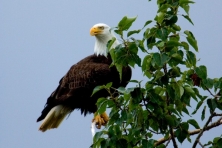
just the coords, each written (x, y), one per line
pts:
(218, 114)
(201, 131)
(201, 144)
(194, 132)
(153, 131)
(215, 96)
(167, 143)
(173, 138)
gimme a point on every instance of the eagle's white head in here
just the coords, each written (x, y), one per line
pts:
(103, 34)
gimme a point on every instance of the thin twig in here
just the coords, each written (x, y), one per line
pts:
(201, 144)
(194, 132)
(173, 138)
(215, 96)
(201, 132)
(153, 131)
(218, 115)
(167, 142)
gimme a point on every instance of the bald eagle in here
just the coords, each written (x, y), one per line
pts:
(76, 87)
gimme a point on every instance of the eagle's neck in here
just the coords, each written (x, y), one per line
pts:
(101, 44)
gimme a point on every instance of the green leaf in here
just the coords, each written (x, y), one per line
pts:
(181, 135)
(136, 95)
(194, 123)
(121, 143)
(190, 91)
(185, 45)
(218, 142)
(179, 90)
(121, 90)
(159, 17)
(104, 143)
(186, 8)
(114, 117)
(184, 126)
(126, 23)
(164, 58)
(141, 45)
(108, 85)
(110, 43)
(201, 71)
(97, 136)
(110, 103)
(162, 33)
(101, 104)
(191, 57)
(124, 115)
(147, 143)
(197, 107)
(192, 42)
(146, 62)
(147, 23)
(191, 39)
(119, 69)
(160, 44)
(150, 42)
(203, 113)
(96, 89)
(174, 72)
(163, 8)
(170, 19)
(134, 59)
(157, 59)
(146, 33)
(160, 59)
(133, 32)
(185, 111)
(170, 91)
(185, 5)
(158, 74)
(134, 81)
(182, 2)
(173, 43)
(212, 104)
(176, 27)
(170, 120)
(177, 57)
(189, 33)
(188, 18)
(209, 83)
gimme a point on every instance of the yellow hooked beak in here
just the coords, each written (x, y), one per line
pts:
(96, 30)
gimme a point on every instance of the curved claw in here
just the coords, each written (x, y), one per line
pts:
(101, 120)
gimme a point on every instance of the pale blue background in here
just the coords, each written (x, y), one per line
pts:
(41, 39)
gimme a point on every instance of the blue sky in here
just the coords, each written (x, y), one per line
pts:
(40, 40)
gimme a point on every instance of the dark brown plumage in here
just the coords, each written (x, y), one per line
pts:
(75, 88)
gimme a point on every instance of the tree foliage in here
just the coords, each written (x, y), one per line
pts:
(158, 106)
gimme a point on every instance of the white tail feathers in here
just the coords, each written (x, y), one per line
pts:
(54, 117)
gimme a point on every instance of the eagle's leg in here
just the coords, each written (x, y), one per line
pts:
(101, 120)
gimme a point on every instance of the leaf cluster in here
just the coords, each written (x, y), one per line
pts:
(158, 106)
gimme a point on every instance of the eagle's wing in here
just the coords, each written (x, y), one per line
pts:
(84, 77)
(78, 84)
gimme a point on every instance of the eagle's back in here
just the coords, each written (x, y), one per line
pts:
(76, 87)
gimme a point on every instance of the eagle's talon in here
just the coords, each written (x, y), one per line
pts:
(100, 120)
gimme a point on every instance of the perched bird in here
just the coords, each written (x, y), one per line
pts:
(76, 87)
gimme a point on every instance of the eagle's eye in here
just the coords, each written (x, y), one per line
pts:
(101, 27)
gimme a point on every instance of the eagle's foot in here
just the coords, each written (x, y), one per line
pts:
(101, 120)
